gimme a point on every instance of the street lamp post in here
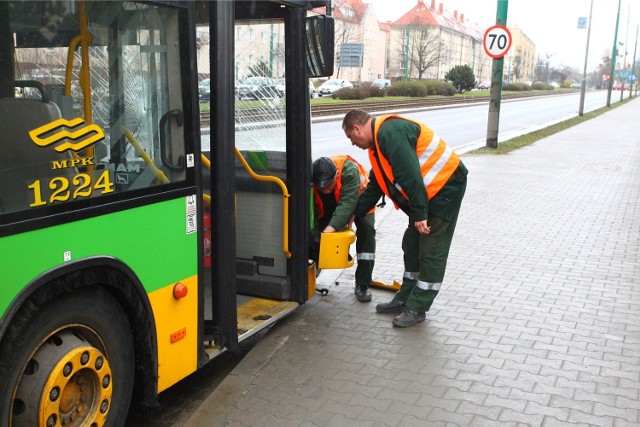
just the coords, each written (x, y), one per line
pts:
(583, 86)
(633, 66)
(614, 56)
(624, 60)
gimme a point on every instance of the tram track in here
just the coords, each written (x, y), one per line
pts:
(319, 110)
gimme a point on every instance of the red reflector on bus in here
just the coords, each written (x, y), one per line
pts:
(180, 291)
(178, 335)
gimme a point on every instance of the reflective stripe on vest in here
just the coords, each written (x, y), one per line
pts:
(437, 160)
(366, 256)
(339, 162)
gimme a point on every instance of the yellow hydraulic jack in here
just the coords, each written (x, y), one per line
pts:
(395, 286)
(333, 254)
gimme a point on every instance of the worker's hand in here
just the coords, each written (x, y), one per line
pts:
(422, 227)
(329, 229)
(350, 223)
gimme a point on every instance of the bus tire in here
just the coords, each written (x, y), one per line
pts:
(69, 361)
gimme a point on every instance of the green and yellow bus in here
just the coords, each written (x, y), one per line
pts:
(148, 223)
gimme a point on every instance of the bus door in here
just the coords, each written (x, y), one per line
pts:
(255, 129)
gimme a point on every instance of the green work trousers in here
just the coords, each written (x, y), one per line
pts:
(365, 248)
(427, 256)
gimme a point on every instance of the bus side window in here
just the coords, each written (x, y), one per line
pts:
(22, 161)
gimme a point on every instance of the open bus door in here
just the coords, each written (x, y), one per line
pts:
(257, 138)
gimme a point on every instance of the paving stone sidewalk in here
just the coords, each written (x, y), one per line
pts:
(537, 323)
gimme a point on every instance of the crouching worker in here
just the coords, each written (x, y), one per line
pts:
(337, 184)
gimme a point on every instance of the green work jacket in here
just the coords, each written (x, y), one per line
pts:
(341, 212)
(397, 139)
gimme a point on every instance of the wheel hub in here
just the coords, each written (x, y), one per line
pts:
(68, 383)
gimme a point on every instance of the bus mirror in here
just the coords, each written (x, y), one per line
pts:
(320, 41)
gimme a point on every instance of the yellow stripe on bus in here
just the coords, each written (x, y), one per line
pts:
(177, 329)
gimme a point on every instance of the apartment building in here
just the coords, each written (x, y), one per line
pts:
(427, 41)
(360, 41)
(520, 61)
(259, 50)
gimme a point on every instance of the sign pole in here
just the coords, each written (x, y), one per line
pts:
(496, 82)
(634, 75)
(583, 86)
(614, 57)
(624, 60)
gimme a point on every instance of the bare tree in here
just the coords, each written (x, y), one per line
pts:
(603, 70)
(542, 68)
(482, 61)
(423, 48)
(540, 74)
(562, 73)
(525, 68)
(345, 32)
(516, 64)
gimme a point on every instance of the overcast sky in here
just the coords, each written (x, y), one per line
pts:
(552, 25)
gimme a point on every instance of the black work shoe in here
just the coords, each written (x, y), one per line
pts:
(393, 306)
(362, 293)
(408, 317)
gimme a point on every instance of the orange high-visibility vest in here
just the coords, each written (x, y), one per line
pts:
(339, 162)
(437, 160)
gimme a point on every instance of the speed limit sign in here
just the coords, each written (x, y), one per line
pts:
(497, 41)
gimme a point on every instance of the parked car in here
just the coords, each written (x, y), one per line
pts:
(312, 89)
(484, 85)
(281, 87)
(282, 90)
(333, 85)
(576, 85)
(258, 88)
(204, 90)
(381, 83)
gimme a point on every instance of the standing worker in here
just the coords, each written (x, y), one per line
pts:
(422, 175)
(337, 184)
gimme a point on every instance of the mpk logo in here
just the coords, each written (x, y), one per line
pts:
(71, 134)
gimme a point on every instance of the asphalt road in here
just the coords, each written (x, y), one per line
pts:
(462, 125)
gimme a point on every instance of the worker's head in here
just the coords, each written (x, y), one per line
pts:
(357, 127)
(324, 173)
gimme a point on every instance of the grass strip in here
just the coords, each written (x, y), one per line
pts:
(529, 138)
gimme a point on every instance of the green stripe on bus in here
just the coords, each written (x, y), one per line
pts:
(152, 240)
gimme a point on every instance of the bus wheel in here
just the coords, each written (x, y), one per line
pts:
(70, 364)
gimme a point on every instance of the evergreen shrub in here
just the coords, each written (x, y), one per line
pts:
(350, 93)
(541, 86)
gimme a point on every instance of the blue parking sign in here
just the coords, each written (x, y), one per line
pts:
(582, 22)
